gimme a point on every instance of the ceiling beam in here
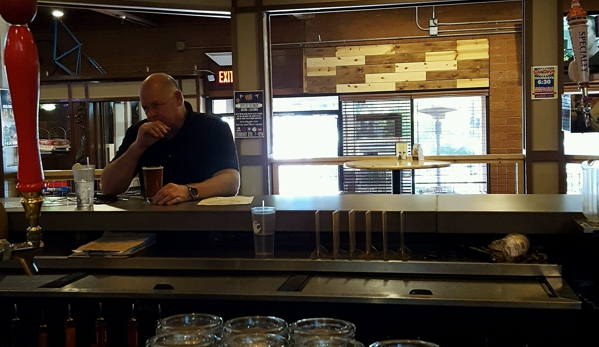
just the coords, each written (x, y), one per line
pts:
(126, 16)
(201, 8)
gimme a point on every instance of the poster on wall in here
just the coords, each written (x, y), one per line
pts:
(544, 81)
(9, 130)
(249, 114)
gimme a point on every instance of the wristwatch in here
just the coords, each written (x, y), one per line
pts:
(193, 191)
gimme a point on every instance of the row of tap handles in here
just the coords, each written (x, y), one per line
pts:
(18, 338)
(370, 252)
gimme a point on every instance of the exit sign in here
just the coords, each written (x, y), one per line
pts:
(225, 76)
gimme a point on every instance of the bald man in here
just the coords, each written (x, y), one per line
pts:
(196, 150)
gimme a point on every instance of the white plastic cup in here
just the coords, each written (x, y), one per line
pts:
(84, 177)
(263, 226)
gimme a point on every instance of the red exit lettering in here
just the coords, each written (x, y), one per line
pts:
(225, 76)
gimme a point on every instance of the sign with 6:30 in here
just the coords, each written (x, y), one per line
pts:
(544, 80)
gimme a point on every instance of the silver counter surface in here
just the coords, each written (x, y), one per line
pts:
(528, 214)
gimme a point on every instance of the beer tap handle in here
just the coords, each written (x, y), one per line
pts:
(70, 330)
(132, 329)
(100, 329)
(17, 334)
(159, 319)
(42, 333)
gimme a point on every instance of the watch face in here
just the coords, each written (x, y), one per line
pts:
(192, 190)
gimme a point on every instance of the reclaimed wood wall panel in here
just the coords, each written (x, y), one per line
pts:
(427, 66)
(440, 56)
(411, 66)
(428, 46)
(335, 61)
(396, 77)
(365, 50)
(321, 84)
(395, 58)
(426, 85)
(365, 87)
(457, 74)
(321, 71)
(356, 76)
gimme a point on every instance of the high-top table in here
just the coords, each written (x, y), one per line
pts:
(396, 165)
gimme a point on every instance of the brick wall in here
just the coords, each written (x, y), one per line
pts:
(505, 108)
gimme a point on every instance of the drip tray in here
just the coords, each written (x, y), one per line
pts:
(523, 292)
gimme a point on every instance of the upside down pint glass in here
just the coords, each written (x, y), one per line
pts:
(590, 190)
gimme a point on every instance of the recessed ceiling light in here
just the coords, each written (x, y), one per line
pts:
(57, 13)
(48, 107)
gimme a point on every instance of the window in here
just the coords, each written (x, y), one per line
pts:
(352, 125)
(582, 144)
(451, 125)
(224, 109)
(306, 127)
(442, 125)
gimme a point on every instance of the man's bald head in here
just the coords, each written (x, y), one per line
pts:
(161, 81)
(162, 99)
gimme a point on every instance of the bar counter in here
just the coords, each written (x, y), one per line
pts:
(203, 261)
(487, 214)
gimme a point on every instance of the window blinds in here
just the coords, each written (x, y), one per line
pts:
(371, 125)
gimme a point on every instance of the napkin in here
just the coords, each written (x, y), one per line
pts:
(227, 200)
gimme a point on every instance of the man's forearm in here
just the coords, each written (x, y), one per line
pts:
(117, 176)
(223, 183)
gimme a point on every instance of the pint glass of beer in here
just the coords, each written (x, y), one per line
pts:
(152, 180)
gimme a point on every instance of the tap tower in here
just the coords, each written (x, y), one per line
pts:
(23, 73)
(578, 70)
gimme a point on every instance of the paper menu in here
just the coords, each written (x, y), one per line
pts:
(227, 200)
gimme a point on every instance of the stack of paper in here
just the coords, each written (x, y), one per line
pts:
(115, 245)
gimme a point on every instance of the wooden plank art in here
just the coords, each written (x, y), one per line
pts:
(410, 66)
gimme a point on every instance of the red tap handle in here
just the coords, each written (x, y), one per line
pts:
(23, 73)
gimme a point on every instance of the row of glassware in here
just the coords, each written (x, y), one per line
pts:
(206, 330)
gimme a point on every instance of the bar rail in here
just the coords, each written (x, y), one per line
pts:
(510, 159)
